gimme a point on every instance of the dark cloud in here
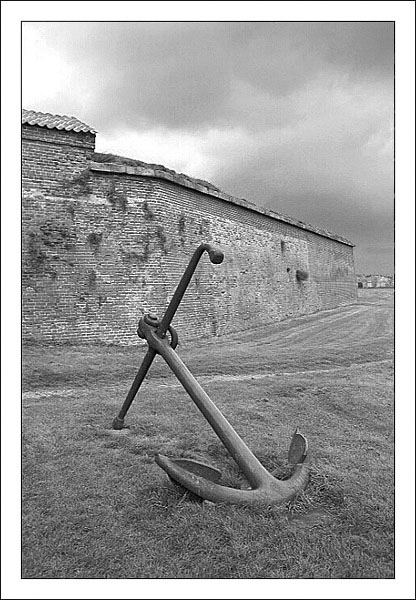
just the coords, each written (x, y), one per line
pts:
(347, 203)
(307, 109)
(183, 74)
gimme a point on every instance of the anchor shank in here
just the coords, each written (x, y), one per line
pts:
(248, 463)
(216, 257)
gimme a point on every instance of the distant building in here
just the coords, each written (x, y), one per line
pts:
(375, 281)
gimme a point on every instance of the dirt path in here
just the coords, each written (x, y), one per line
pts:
(324, 342)
(371, 316)
(348, 335)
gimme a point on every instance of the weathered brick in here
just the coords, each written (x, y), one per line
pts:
(103, 243)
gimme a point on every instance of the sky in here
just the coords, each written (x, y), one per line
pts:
(294, 116)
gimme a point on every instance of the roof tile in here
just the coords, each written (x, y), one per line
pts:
(33, 117)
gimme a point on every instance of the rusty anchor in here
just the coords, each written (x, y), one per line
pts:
(197, 477)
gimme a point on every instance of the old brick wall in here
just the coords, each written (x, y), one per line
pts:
(102, 244)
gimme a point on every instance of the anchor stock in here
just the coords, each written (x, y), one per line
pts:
(196, 477)
(216, 257)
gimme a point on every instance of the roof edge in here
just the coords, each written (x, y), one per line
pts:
(149, 171)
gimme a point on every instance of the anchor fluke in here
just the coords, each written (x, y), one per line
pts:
(298, 448)
(195, 467)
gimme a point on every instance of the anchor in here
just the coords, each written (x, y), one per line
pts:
(199, 478)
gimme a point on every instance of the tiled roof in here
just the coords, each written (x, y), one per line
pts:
(32, 117)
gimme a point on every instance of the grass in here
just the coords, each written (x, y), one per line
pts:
(95, 504)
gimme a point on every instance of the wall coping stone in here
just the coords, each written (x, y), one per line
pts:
(185, 182)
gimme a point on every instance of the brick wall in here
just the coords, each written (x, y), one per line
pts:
(102, 244)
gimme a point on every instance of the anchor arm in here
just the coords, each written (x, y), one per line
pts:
(271, 491)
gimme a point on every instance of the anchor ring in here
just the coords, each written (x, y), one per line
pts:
(151, 319)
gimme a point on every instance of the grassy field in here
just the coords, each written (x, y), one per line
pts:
(95, 504)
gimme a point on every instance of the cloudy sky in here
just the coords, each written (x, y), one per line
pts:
(295, 116)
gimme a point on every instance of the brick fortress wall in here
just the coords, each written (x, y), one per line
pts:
(104, 242)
